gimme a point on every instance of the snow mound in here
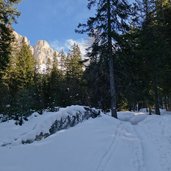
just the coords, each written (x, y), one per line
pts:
(101, 144)
(132, 117)
(146, 110)
(41, 126)
(136, 117)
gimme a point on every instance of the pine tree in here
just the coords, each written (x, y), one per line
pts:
(96, 85)
(109, 23)
(54, 87)
(166, 11)
(19, 76)
(155, 49)
(25, 66)
(73, 76)
(8, 14)
(148, 57)
(62, 61)
(74, 67)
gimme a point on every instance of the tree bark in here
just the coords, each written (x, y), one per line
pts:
(111, 64)
(169, 102)
(157, 108)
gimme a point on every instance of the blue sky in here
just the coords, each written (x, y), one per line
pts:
(52, 20)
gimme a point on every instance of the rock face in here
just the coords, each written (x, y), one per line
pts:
(42, 52)
(44, 55)
(19, 40)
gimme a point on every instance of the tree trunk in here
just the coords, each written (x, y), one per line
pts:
(157, 109)
(111, 65)
(112, 90)
(169, 103)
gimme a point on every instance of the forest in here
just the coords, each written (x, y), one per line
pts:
(129, 62)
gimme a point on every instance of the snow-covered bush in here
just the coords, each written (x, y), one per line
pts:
(39, 126)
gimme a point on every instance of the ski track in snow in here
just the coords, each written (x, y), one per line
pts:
(136, 147)
(161, 154)
(138, 150)
(154, 149)
(166, 148)
(150, 153)
(162, 146)
(145, 146)
(107, 155)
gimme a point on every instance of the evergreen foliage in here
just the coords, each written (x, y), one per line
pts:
(18, 77)
(141, 53)
(8, 14)
(109, 23)
(73, 76)
(54, 86)
(129, 67)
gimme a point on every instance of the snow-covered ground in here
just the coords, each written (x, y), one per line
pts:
(39, 126)
(135, 142)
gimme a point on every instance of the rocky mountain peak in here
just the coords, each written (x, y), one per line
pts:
(43, 44)
(42, 52)
(19, 38)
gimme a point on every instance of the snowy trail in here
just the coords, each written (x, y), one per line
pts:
(151, 154)
(127, 139)
(147, 151)
(138, 149)
(102, 144)
(107, 154)
(165, 147)
(154, 136)
(159, 145)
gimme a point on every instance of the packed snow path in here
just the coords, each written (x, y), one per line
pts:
(102, 144)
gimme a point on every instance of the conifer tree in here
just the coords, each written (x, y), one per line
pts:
(8, 14)
(73, 75)
(19, 76)
(62, 61)
(55, 88)
(74, 67)
(110, 21)
(166, 11)
(154, 48)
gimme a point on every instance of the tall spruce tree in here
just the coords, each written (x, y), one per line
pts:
(154, 48)
(73, 75)
(19, 77)
(109, 22)
(8, 14)
(55, 87)
(166, 9)
(74, 67)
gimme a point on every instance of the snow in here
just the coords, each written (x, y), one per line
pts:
(145, 110)
(132, 117)
(134, 142)
(36, 124)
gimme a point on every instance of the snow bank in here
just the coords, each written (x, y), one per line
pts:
(41, 126)
(132, 117)
(101, 144)
(146, 110)
(136, 117)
